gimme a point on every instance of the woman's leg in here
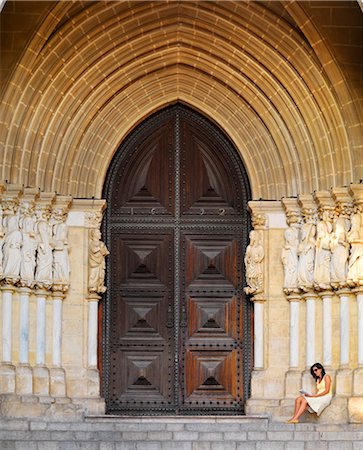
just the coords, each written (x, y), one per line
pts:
(298, 402)
(303, 406)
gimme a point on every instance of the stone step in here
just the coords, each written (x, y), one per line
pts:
(179, 433)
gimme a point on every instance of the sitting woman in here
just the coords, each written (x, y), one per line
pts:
(318, 402)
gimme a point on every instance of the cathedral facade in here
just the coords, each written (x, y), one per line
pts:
(181, 221)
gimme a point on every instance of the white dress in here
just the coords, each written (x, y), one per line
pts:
(318, 404)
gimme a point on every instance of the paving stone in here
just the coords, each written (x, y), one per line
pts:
(313, 445)
(213, 426)
(210, 437)
(38, 426)
(280, 435)
(306, 436)
(47, 445)
(160, 435)
(14, 425)
(256, 435)
(88, 445)
(175, 427)
(340, 445)
(297, 445)
(201, 445)
(148, 445)
(134, 436)
(125, 446)
(358, 445)
(246, 446)
(224, 446)
(27, 445)
(270, 445)
(176, 445)
(107, 446)
(185, 436)
(9, 445)
(241, 436)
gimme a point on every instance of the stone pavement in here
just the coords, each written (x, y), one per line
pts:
(180, 433)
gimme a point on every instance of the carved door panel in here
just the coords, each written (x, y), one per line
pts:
(176, 327)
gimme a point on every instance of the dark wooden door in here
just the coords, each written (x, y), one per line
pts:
(176, 324)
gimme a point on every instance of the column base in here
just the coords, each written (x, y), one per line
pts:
(24, 379)
(358, 382)
(308, 382)
(7, 378)
(292, 383)
(93, 383)
(344, 383)
(257, 383)
(355, 409)
(57, 382)
(41, 380)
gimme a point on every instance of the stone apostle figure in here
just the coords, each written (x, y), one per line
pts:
(253, 261)
(27, 267)
(306, 256)
(61, 269)
(290, 258)
(322, 252)
(2, 234)
(355, 238)
(12, 250)
(43, 273)
(96, 262)
(340, 252)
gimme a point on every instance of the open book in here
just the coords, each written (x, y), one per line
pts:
(302, 391)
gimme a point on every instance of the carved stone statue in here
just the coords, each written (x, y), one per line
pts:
(290, 260)
(323, 253)
(355, 238)
(306, 252)
(340, 252)
(43, 273)
(253, 261)
(12, 250)
(96, 262)
(27, 266)
(61, 268)
(2, 234)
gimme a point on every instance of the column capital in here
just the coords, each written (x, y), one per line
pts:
(358, 290)
(344, 292)
(58, 295)
(323, 294)
(294, 298)
(258, 299)
(8, 288)
(93, 297)
(24, 290)
(42, 293)
(309, 296)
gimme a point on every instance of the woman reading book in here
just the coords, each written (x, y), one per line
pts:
(318, 402)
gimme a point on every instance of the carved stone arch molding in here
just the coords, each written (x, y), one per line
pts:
(176, 325)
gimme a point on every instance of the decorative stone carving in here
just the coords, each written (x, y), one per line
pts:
(324, 230)
(96, 262)
(44, 264)
(93, 219)
(61, 268)
(12, 249)
(2, 235)
(254, 263)
(355, 238)
(306, 250)
(27, 226)
(289, 254)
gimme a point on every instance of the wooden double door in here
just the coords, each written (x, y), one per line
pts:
(176, 324)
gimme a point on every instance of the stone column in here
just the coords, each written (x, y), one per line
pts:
(24, 375)
(310, 299)
(93, 378)
(358, 373)
(327, 329)
(293, 376)
(258, 333)
(56, 373)
(7, 370)
(40, 371)
(344, 374)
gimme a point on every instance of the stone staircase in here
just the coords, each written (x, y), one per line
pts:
(179, 433)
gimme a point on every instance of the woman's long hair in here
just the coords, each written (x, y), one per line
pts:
(318, 366)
